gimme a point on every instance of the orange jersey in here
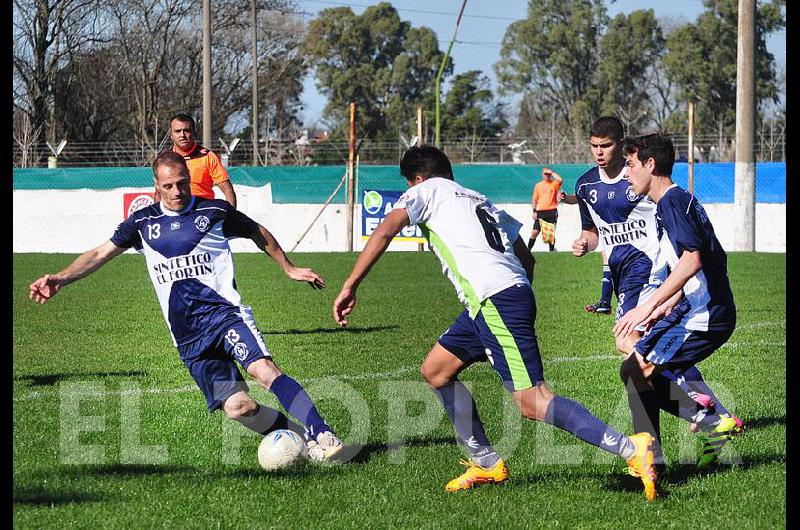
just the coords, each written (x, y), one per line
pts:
(205, 170)
(545, 195)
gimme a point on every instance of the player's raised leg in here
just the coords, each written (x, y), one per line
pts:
(440, 370)
(505, 324)
(322, 442)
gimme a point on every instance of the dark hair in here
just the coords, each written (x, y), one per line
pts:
(427, 161)
(657, 146)
(182, 116)
(172, 159)
(607, 127)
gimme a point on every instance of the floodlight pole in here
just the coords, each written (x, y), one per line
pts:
(255, 84)
(690, 158)
(350, 176)
(437, 141)
(745, 171)
(207, 73)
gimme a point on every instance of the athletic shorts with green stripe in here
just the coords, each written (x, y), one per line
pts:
(503, 334)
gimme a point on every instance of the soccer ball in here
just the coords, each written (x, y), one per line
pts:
(281, 449)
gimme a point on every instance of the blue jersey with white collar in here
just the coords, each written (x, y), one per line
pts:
(626, 228)
(190, 262)
(683, 225)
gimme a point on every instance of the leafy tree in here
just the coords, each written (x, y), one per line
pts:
(469, 108)
(630, 51)
(377, 60)
(702, 59)
(553, 52)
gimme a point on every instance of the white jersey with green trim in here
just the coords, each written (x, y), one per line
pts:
(471, 237)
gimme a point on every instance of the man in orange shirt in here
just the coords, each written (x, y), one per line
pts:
(545, 205)
(205, 167)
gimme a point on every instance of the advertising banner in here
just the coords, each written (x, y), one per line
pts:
(375, 204)
(135, 201)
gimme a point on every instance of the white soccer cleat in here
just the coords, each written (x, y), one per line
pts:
(324, 447)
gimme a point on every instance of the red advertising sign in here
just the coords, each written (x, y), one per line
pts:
(136, 201)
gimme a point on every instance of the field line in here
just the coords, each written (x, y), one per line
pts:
(763, 325)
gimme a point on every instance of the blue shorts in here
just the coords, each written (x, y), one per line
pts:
(502, 333)
(669, 344)
(632, 298)
(210, 359)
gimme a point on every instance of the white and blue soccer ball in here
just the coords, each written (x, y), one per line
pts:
(281, 449)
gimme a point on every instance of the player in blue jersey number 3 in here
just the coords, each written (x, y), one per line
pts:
(185, 242)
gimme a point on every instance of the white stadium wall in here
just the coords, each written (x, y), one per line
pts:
(72, 221)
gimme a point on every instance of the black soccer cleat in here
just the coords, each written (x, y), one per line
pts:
(600, 307)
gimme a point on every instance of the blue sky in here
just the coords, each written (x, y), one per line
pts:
(482, 28)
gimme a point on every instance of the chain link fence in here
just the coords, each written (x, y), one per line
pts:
(770, 146)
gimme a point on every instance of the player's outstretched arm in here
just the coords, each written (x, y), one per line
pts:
(586, 242)
(376, 245)
(687, 266)
(48, 285)
(264, 240)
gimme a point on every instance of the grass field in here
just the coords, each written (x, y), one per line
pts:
(153, 457)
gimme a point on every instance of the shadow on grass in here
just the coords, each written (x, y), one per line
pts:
(766, 421)
(677, 475)
(53, 379)
(299, 472)
(351, 330)
(39, 496)
(361, 454)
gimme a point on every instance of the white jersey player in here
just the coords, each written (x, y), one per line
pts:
(491, 268)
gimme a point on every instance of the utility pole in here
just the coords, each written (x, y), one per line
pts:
(255, 84)
(745, 171)
(420, 136)
(690, 158)
(420, 130)
(207, 73)
(350, 175)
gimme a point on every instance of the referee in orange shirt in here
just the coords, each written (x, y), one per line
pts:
(545, 204)
(205, 167)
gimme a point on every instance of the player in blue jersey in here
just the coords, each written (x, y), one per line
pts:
(185, 243)
(613, 214)
(692, 312)
(490, 267)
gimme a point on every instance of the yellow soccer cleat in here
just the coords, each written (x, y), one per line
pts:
(475, 475)
(641, 463)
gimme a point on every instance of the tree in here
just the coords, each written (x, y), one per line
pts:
(623, 80)
(470, 109)
(553, 52)
(377, 60)
(701, 57)
(46, 33)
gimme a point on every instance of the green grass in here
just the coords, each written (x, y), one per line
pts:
(107, 331)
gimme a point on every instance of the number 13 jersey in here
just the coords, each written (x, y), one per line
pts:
(471, 237)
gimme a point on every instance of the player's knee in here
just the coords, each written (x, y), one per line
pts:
(625, 344)
(432, 375)
(265, 372)
(534, 403)
(238, 407)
